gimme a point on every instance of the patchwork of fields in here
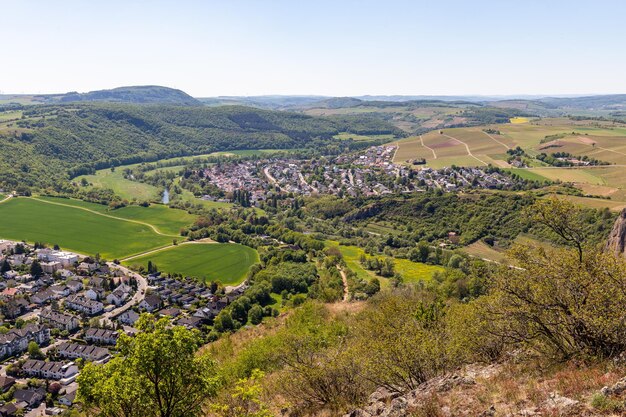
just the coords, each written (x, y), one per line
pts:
(132, 231)
(480, 146)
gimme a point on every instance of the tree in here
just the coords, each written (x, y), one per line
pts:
(5, 267)
(34, 352)
(564, 219)
(35, 269)
(560, 306)
(255, 315)
(158, 374)
(244, 400)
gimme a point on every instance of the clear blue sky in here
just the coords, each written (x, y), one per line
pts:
(246, 47)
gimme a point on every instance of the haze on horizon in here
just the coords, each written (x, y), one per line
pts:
(345, 48)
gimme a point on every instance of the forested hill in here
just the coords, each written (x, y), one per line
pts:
(148, 94)
(52, 143)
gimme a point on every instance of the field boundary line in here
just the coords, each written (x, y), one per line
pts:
(7, 198)
(469, 152)
(168, 247)
(154, 228)
(428, 147)
(501, 143)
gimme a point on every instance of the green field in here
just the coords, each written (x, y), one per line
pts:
(166, 220)
(527, 174)
(76, 229)
(127, 189)
(225, 262)
(410, 271)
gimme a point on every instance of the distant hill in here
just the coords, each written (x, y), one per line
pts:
(272, 102)
(50, 143)
(148, 94)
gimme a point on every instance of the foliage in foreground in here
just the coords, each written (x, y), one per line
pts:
(158, 373)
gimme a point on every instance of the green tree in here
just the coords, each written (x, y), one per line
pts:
(244, 400)
(35, 269)
(158, 374)
(34, 352)
(255, 315)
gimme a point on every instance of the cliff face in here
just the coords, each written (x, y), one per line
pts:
(617, 238)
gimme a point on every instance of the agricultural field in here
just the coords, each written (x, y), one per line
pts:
(225, 262)
(167, 221)
(76, 229)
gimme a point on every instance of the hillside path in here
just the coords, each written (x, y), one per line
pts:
(496, 140)
(7, 198)
(428, 147)
(344, 279)
(469, 152)
(157, 231)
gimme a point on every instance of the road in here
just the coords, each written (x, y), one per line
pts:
(271, 179)
(6, 198)
(140, 294)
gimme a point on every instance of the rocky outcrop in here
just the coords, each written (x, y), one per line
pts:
(617, 238)
(386, 403)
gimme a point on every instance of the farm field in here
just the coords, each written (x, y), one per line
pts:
(597, 203)
(166, 220)
(604, 142)
(225, 262)
(75, 229)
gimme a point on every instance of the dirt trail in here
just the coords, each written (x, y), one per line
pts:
(346, 289)
(157, 231)
(469, 152)
(428, 147)
(496, 140)
(7, 198)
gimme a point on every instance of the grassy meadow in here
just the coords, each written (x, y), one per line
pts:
(410, 271)
(225, 262)
(75, 229)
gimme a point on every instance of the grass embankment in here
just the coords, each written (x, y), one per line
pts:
(225, 262)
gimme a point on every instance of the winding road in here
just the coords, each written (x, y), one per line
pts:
(140, 294)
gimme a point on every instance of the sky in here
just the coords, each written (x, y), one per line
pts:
(318, 47)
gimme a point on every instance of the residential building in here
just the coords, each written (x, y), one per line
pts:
(16, 340)
(150, 303)
(50, 370)
(84, 305)
(101, 336)
(87, 352)
(59, 320)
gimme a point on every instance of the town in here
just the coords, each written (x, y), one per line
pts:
(367, 173)
(61, 309)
